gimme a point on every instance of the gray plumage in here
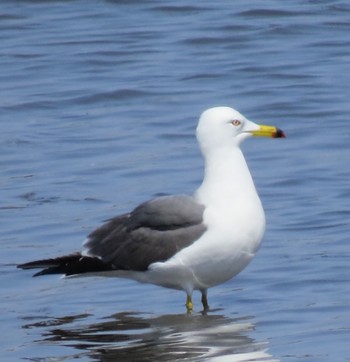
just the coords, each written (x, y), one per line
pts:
(153, 232)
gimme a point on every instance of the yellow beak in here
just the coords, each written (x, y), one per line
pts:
(268, 131)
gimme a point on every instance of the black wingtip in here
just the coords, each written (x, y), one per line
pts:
(67, 265)
(31, 265)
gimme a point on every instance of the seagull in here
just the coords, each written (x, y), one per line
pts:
(184, 242)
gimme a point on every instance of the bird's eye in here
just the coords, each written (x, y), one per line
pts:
(236, 122)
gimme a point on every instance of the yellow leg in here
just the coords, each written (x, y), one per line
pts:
(205, 300)
(189, 304)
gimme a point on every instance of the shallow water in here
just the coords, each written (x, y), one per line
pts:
(99, 103)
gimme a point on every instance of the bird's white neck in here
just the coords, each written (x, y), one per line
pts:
(226, 179)
(231, 200)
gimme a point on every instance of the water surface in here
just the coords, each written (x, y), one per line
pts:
(99, 104)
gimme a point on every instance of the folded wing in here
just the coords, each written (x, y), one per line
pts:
(153, 232)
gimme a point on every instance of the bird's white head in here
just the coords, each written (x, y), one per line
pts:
(226, 127)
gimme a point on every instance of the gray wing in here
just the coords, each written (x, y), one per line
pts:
(154, 231)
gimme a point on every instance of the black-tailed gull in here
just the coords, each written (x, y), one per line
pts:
(184, 242)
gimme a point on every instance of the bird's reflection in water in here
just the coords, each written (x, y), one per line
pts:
(136, 337)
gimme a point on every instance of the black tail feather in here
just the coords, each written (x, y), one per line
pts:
(68, 265)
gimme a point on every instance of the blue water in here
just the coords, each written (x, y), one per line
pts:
(99, 104)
